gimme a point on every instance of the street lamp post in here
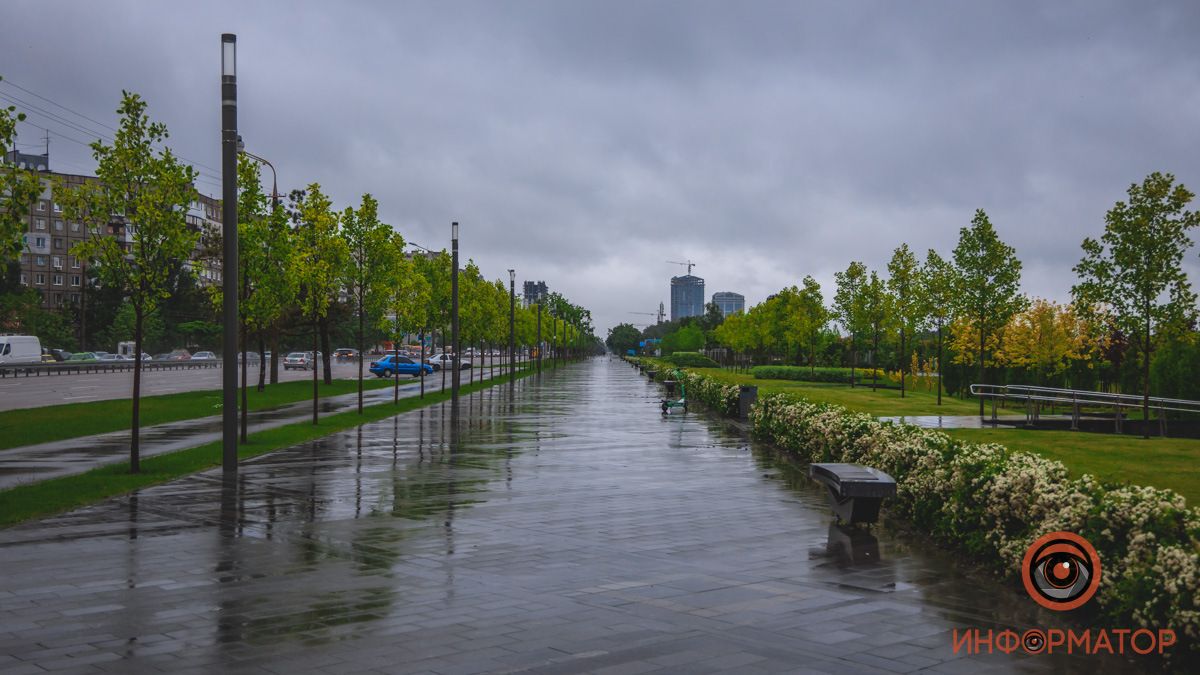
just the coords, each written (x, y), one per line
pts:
(421, 335)
(512, 321)
(229, 263)
(454, 312)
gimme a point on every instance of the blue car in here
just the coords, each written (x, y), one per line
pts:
(392, 364)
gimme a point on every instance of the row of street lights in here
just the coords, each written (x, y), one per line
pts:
(231, 145)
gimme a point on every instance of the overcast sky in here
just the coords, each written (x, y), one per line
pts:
(587, 143)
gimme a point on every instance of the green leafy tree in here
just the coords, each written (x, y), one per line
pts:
(144, 183)
(124, 326)
(1136, 268)
(987, 289)
(938, 279)
(904, 282)
(19, 188)
(811, 317)
(849, 307)
(622, 338)
(373, 252)
(877, 317)
(407, 303)
(317, 263)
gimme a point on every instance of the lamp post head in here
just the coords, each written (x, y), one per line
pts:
(454, 230)
(228, 55)
(512, 276)
(241, 145)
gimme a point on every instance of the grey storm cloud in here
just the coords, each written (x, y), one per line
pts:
(587, 143)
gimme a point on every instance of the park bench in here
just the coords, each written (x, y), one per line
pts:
(855, 491)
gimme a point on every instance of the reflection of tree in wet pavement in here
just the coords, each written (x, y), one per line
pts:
(435, 463)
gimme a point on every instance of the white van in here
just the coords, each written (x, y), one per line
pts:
(20, 349)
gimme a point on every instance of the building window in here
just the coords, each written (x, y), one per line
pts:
(39, 279)
(75, 280)
(58, 243)
(40, 261)
(41, 205)
(58, 280)
(39, 224)
(39, 242)
(94, 229)
(74, 263)
(75, 298)
(56, 262)
(74, 227)
(57, 208)
(58, 226)
(58, 298)
(24, 279)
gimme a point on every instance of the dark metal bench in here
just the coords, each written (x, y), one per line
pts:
(855, 491)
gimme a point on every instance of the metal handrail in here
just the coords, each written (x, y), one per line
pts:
(68, 367)
(1080, 397)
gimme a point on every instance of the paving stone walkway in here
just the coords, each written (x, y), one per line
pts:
(561, 526)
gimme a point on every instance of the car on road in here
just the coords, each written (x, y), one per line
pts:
(439, 361)
(204, 356)
(83, 357)
(391, 365)
(179, 355)
(20, 349)
(298, 361)
(108, 356)
(345, 354)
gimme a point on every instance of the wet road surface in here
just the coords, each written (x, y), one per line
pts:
(32, 463)
(562, 525)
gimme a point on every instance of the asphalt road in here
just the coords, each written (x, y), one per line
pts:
(35, 392)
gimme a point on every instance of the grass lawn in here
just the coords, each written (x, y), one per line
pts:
(1160, 462)
(883, 402)
(29, 426)
(61, 494)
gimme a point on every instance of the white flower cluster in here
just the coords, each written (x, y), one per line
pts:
(993, 502)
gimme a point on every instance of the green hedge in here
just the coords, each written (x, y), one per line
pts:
(803, 374)
(690, 360)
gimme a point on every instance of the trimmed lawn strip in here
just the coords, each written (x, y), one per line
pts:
(57, 495)
(1161, 462)
(882, 402)
(31, 426)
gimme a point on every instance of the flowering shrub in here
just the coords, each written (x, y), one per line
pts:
(993, 502)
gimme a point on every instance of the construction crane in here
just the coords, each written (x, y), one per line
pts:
(658, 316)
(689, 264)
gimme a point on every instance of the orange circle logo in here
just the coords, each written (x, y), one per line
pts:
(1061, 571)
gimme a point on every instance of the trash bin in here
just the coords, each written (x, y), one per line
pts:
(670, 386)
(747, 395)
(651, 373)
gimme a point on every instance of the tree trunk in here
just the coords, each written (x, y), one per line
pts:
(314, 369)
(395, 373)
(874, 360)
(244, 418)
(326, 366)
(1146, 380)
(422, 363)
(360, 357)
(939, 363)
(262, 361)
(980, 327)
(902, 366)
(853, 358)
(135, 458)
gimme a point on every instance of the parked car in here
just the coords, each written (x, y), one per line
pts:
(390, 365)
(204, 356)
(166, 356)
(345, 354)
(298, 361)
(56, 354)
(179, 355)
(446, 360)
(49, 358)
(86, 357)
(108, 356)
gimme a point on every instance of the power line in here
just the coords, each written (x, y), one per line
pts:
(76, 126)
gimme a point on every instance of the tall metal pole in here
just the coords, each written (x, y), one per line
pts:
(454, 311)
(229, 264)
(512, 321)
(539, 338)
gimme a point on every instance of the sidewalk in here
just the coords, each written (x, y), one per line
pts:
(33, 463)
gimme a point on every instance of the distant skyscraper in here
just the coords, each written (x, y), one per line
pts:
(535, 292)
(687, 297)
(729, 302)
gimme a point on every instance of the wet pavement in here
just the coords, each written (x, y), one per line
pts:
(556, 525)
(32, 463)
